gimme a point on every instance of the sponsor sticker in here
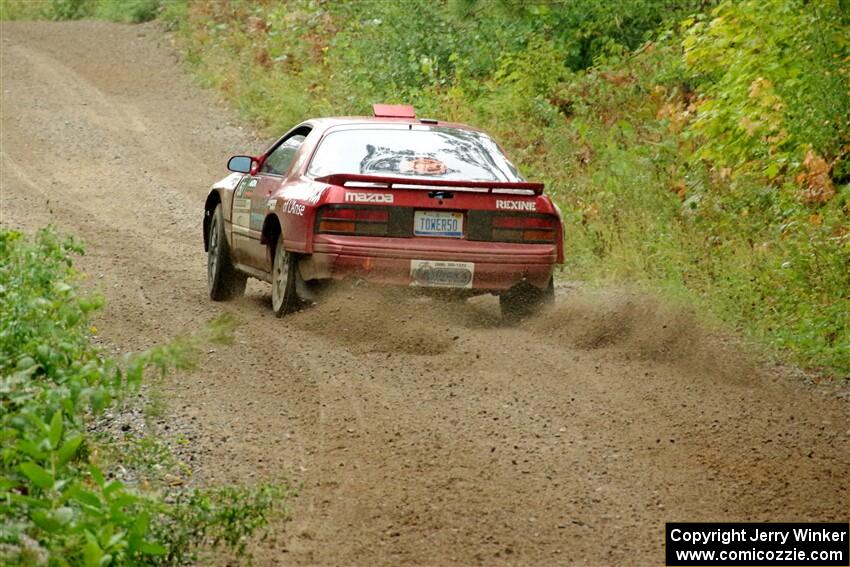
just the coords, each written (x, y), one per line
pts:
(433, 273)
(516, 205)
(352, 197)
(246, 187)
(293, 208)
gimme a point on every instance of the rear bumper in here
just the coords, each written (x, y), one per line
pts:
(497, 265)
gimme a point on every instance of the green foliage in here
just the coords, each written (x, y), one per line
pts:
(281, 61)
(221, 516)
(391, 51)
(24, 10)
(70, 9)
(172, 13)
(646, 211)
(129, 11)
(58, 502)
(774, 80)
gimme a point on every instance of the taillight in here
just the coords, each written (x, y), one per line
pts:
(363, 221)
(524, 228)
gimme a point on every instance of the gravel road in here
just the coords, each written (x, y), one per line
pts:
(419, 433)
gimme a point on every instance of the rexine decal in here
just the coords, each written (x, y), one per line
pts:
(352, 197)
(513, 205)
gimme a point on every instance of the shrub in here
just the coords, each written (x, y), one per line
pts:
(58, 503)
(774, 83)
(129, 11)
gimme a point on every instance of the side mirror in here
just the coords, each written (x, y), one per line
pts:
(240, 164)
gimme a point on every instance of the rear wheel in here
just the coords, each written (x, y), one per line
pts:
(285, 274)
(223, 280)
(524, 300)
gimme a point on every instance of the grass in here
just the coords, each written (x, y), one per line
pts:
(126, 11)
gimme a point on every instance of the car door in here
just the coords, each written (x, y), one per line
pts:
(250, 203)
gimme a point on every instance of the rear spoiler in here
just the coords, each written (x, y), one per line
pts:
(380, 182)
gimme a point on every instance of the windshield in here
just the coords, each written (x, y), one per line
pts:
(433, 153)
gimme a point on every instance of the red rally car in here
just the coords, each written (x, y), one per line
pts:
(390, 199)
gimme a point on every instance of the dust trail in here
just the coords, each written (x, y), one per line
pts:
(378, 319)
(636, 326)
(625, 325)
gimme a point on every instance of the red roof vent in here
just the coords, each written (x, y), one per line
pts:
(393, 111)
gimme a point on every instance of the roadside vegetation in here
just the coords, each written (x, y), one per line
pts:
(696, 147)
(63, 496)
(128, 11)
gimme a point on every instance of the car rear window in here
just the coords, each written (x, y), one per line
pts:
(433, 152)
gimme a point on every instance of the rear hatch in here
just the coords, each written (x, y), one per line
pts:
(489, 211)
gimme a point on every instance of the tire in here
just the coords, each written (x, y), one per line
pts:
(285, 277)
(524, 300)
(223, 280)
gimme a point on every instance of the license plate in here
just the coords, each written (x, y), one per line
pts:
(438, 223)
(430, 273)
